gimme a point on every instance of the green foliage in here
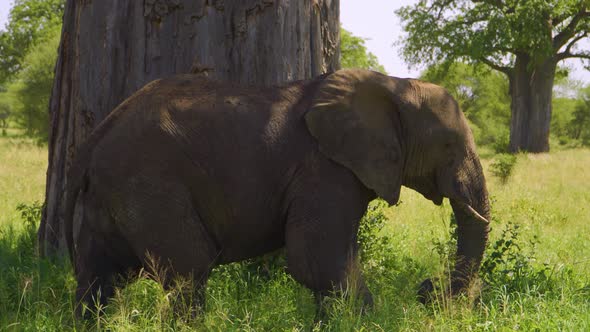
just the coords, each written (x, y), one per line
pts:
(30, 214)
(482, 95)
(354, 53)
(579, 125)
(29, 22)
(570, 123)
(371, 240)
(511, 265)
(521, 39)
(489, 31)
(29, 93)
(563, 110)
(503, 165)
(4, 114)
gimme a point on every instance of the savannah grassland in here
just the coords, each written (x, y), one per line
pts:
(536, 276)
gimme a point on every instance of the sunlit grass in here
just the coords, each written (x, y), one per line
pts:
(22, 173)
(546, 201)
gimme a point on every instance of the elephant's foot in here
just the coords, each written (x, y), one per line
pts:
(426, 291)
(189, 302)
(92, 297)
(431, 289)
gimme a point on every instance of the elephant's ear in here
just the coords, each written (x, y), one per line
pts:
(356, 120)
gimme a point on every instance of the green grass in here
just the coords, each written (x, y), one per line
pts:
(537, 273)
(23, 164)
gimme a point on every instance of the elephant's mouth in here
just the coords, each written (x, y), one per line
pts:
(427, 187)
(435, 197)
(432, 192)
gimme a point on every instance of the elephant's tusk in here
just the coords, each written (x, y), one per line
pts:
(471, 211)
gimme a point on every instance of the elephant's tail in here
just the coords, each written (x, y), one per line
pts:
(77, 182)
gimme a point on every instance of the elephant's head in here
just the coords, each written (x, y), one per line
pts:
(391, 132)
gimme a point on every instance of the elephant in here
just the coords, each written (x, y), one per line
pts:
(197, 173)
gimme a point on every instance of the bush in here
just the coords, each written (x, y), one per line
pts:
(373, 245)
(508, 266)
(30, 92)
(503, 165)
(31, 215)
(570, 121)
(579, 125)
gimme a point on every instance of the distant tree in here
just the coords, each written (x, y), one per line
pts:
(579, 126)
(561, 119)
(4, 113)
(525, 40)
(354, 53)
(31, 87)
(28, 22)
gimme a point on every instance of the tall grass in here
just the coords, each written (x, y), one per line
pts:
(535, 276)
(22, 173)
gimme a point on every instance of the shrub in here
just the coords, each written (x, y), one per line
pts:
(31, 215)
(502, 166)
(512, 268)
(373, 246)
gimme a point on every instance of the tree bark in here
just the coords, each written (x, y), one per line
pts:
(531, 89)
(109, 49)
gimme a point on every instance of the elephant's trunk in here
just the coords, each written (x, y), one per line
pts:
(469, 199)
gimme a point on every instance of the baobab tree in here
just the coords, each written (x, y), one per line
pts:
(525, 40)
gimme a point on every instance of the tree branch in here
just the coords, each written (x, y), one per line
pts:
(561, 38)
(503, 69)
(499, 4)
(440, 6)
(568, 48)
(568, 55)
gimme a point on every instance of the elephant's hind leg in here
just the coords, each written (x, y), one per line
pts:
(166, 231)
(181, 259)
(100, 259)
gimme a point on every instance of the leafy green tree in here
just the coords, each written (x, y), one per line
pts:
(4, 113)
(31, 89)
(525, 40)
(28, 22)
(354, 53)
(561, 119)
(579, 125)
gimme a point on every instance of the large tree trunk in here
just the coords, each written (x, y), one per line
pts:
(531, 89)
(109, 49)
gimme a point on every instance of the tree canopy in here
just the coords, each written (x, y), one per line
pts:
(28, 22)
(493, 32)
(524, 39)
(355, 54)
(29, 90)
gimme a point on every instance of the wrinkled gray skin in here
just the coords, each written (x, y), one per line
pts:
(197, 173)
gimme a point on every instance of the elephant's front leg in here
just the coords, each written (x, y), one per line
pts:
(321, 234)
(325, 263)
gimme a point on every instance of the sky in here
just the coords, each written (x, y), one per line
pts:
(376, 21)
